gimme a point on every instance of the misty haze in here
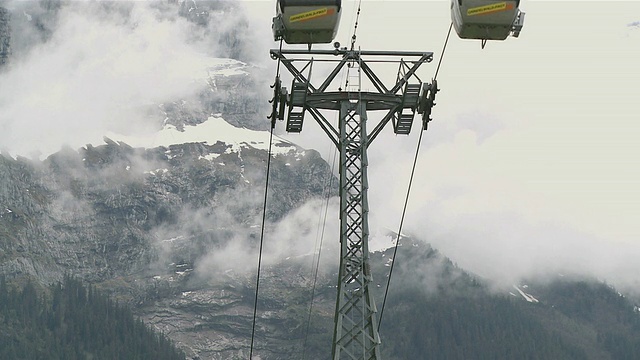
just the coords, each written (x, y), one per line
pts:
(135, 153)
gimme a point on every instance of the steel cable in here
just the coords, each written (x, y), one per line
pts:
(317, 260)
(406, 201)
(264, 218)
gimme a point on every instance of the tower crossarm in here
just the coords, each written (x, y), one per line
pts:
(332, 100)
(292, 59)
(411, 72)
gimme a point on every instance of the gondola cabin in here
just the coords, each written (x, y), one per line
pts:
(306, 21)
(486, 20)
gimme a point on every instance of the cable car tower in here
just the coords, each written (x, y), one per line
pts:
(355, 328)
(355, 333)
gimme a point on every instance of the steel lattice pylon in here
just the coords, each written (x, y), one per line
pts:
(356, 333)
(355, 328)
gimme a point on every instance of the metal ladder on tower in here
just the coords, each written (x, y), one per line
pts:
(297, 108)
(403, 119)
(298, 101)
(354, 78)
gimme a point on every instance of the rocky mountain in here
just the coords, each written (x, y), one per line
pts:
(145, 224)
(169, 224)
(5, 36)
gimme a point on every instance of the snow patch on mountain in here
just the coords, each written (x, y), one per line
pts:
(210, 157)
(382, 241)
(210, 132)
(156, 171)
(528, 297)
(225, 67)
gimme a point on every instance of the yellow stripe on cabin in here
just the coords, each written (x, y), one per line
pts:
(310, 15)
(491, 8)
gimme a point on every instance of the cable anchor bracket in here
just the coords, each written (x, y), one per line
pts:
(427, 102)
(278, 102)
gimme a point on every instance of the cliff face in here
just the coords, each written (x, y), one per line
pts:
(146, 225)
(101, 211)
(171, 230)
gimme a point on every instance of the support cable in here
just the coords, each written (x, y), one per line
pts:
(406, 200)
(264, 218)
(443, 49)
(317, 260)
(355, 27)
(280, 60)
(315, 278)
(277, 93)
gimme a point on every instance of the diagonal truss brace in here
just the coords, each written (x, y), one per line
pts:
(355, 325)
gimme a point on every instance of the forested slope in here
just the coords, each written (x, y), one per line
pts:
(69, 321)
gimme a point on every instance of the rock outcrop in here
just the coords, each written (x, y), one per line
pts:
(5, 36)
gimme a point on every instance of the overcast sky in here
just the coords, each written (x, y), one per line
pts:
(531, 165)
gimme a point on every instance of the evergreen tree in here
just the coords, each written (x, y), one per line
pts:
(70, 321)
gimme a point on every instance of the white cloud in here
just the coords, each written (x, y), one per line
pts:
(98, 72)
(296, 237)
(531, 163)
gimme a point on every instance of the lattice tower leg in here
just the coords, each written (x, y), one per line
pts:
(356, 330)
